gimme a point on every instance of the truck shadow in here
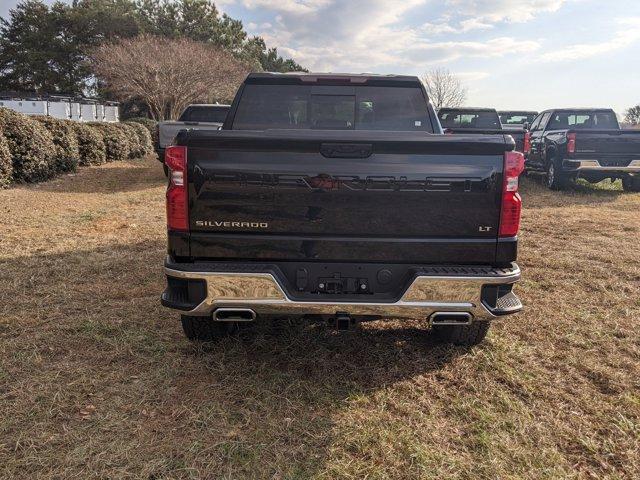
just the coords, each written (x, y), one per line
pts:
(372, 355)
(94, 318)
(299, 385)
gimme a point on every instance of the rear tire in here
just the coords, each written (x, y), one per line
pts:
(204, 329)
(465, 335)
(556, 179)
(631, 184)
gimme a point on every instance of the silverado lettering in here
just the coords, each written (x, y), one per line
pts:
(226, 224)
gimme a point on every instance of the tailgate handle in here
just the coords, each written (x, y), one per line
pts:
(346, 150)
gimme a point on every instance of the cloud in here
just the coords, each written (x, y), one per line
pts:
(474, 24)
(494, 11)
(446, 27)
(252, 26)
(289, 6)
(471, 77)
(627, 34)
(415, 55)
(374, 35)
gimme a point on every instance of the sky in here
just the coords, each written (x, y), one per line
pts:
(510, 54)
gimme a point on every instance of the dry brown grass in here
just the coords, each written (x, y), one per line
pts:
(96, 380)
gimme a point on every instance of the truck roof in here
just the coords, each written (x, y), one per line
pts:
(518, 112)
(332, 78)
(467, 109)
(209, 105)
(577, 110)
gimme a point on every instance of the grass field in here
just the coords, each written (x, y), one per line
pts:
(97, 381)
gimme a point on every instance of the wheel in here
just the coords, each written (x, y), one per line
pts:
(556, 179)
(204, 329)
(631, 184)
(466, 335)
(166, 169)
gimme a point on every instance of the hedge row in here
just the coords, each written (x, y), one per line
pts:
(150, 125)
(33, 148)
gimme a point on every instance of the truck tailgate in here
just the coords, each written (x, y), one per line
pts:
(608, 142)
(167, 131)
(516, 134)
(344, 196)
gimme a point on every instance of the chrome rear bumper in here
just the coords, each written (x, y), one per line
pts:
(594, 166)
(427, 294)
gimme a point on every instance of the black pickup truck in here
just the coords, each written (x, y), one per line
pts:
(337, 197)
(479, 121)
(586, 143)
(194, 117)
(517, 119)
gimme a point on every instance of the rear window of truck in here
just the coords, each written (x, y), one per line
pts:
(583, 121)
(204, 114)
(264, 107)
(487, 120)
(516, 118)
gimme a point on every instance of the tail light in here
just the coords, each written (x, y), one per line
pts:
(526, 146)
(175, 158)
(511, 201)
(571, 142)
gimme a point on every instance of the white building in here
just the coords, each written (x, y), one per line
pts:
(64, 108)
(59, 108)
(111, 112)
(26, 106)
(89, 112)
(100, 112)
(76, 111)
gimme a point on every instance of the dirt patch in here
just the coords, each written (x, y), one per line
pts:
(96, 380)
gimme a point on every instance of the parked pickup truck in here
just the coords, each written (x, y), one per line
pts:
(478, 121)
(196, 117)
(337, 197)
(586, 143)
(516, 119)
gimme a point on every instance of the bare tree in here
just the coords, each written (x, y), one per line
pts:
(444, 88)
(168, 74)
(633, 116)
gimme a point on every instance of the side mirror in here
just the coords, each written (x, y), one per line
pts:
(526, 126)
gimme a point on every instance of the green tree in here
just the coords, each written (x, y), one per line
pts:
(200, 20)
(633, 115)
(46, 49)
(28, 46)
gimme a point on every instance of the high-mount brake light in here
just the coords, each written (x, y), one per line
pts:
(175, 158)
(511, 201)
(526, 147)
(571, 142)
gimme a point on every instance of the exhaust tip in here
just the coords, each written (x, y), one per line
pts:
(451, 318)
(234, 315)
